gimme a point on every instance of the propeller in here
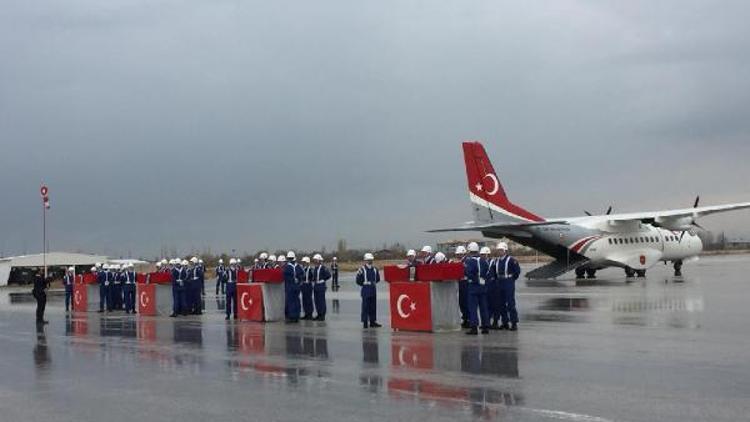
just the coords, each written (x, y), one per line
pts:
(695, 205)
(609, 211)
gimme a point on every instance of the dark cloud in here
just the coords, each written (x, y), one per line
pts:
(246, 125)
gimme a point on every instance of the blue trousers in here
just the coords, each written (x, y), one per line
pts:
(190, 295)
(68, 297)
(319, 292)
(115, 296)
(231, 305)
(129, 293)
(463, 289)
(369, 309)
(178, 304)
(477, 298)
(508, 311)
(104, 298)
(292, 307)
(493, 299)
(220, 285)
(307, 300)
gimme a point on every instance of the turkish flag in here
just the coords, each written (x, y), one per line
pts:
(250, 302)
(147, 330)
(80, 297)
(146, 297)
(413, 352)
(251, 338)
(411, 308)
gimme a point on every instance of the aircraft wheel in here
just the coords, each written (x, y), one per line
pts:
(629, 272)
(580, 272)
(678, 268)
(641, 273)
(590, 273)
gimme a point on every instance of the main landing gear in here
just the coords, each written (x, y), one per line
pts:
(582, 273)
(678, 268)
(629, 272)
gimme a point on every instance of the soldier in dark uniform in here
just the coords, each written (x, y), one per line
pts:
(40, 294)
(335, 275)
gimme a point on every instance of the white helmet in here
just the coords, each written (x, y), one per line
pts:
(485, 251)
(105, 266)
(281, 258)
(184, 262)
(411, 252)
(255, 260)
(460, 250)
(502, 246)
(473, 247)
(163, 262)
(194, 260)
(98, 265)
(272, 258)
(263, 255)
(335, 259)
(232, 261)
(71, 269)
(317, 257)
(114, 267)
(369, 257)
(158, 263)
(291, 255)
(172, 261)
(427, 249)
(93, 269)
(200, 261)
(221, 261)
(439, 257)
(306, 259)
(239, 260)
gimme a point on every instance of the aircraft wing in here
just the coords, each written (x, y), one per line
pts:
(694, 213)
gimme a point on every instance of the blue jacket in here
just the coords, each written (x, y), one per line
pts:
(232, 274)
(221, 272)
(307, 274)
(101, 277)
(128, 277)
(476, 269)
(111, 276)
(68, 280)
(293, 273)
(179, 274)
(320, 274)
(505, 268)
(196, 273)
(368, 277)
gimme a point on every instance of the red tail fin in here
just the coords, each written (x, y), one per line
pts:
(487, 194)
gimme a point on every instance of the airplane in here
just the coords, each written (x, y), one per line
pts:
(634, 242)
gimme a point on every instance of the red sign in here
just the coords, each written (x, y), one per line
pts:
(80, 297)
(643, 259)
(395, 273)
(88, 278)
(243, 276)
(440, 272)
(160, 278)
(411, 307)
(140, 278)
(250, 302)
(146, 297)
(268, 275)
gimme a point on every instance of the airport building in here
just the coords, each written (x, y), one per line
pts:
(20, 269)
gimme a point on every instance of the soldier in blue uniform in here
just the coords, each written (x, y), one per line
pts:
(320, 274)
(293, 275)
(426, 256)
(112, 289)
(263, 260)
(115, 287)
(202, 281)
(462, 287)
(475, 270)
(221, 277)
(101, 280)
(493, 292)
(367, 277)
(179, 283)
(195, 274)
(335, 275)
(128, 287)
(232, 277)
(68, 281)
(505, 270)
(306, 288)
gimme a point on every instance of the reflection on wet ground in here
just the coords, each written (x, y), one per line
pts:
(605, 351)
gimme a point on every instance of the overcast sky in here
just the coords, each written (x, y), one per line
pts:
(247, 125)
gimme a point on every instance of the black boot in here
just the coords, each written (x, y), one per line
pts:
(494, 326)
(472, 332)
(514, 327)
(465, 324)
(375, 325)
(364, 325)
(485, 330)
(504, 327)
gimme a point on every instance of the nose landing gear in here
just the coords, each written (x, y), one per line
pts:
(678, 268)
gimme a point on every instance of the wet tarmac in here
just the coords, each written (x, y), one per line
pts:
(594, 351)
